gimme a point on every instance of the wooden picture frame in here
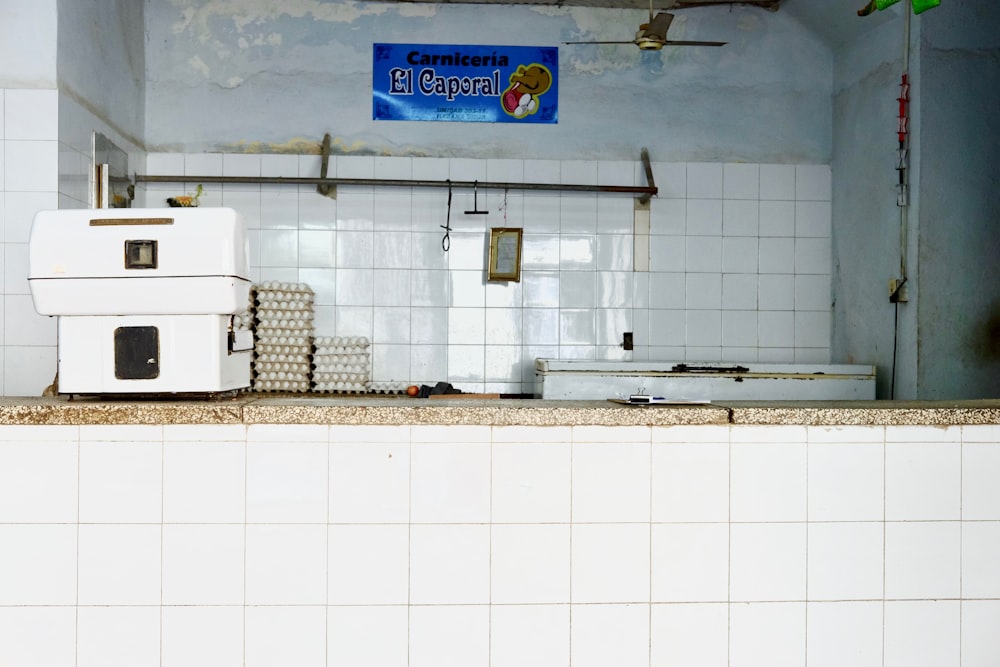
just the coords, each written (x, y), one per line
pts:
(505, 254)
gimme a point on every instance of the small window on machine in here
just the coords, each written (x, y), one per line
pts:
(140, 254)
(137, 353)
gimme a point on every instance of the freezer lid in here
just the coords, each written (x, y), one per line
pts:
(135, 242)
(544, 366)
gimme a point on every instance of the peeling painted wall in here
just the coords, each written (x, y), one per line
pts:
(274, 77)
(960, 212)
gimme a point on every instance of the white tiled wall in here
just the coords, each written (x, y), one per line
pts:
(739, 261)
(469, 545)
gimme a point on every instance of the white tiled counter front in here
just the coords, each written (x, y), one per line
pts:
(503, 544)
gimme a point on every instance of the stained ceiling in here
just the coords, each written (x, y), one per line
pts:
(833, 21)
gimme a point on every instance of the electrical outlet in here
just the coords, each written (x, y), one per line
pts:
(897, 291)
(627, 340)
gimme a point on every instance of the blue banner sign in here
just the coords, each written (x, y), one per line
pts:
(487, 84)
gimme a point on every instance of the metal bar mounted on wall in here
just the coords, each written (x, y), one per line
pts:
(643, 192)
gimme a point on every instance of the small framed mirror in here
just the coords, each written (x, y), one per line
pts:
(505, 254)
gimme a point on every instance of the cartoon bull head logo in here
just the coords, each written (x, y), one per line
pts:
(527, 84)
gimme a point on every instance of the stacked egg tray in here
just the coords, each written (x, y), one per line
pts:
(341, 364)
(283, 337)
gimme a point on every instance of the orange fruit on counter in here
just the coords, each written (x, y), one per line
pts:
(412, 390)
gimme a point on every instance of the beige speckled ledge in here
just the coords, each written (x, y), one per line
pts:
(253, 409)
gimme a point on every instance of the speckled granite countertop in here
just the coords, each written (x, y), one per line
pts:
(391, 410)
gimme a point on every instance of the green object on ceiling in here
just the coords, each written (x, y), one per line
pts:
(919, 6)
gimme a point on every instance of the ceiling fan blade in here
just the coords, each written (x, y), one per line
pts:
(671, 42)
(659, 25)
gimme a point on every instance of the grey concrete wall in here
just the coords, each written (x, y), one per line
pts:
(959, 310)
(263, 76)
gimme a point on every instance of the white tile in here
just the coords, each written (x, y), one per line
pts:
(922, 559)
(836, 467)
(286, 564)
(578, 171)
(741, 181)
(776, 255)
(449, 482)
(922, 481)
(429, 325)
(203, 164)
(355, 287)
(739, 328)
(812, 292)
(979, 622)
(428, 363)
(615, 215)
(20, 209)
(667, 254)
(503, 326)
(690, 562)
(449, 564)
(31, 166)
(529, 636)
(31, 114)
(578, 252)
(369, 483)
(286, 482)
(22, 376)
(355, 166)
(776, 630)
(279, 165)
(767, 562)
(286, 635)
(611, 482)
(776, 219)
(15, 268)
(671, 179)
(503, 363)
(391, 325)
(316, 249)
(541, 213)
(240, 164)
(24, 327)
(668, 216)
(812, 329)
(980, 471)
(578, 213)
(368, 564)
(394, 251)
(203, 482)
(739, 292)
(922, 633)
(813, 219)
(279, 247)
(740, 218)
(704, 217)
(118, 636)
(530, 564)
(430, 289)
(777, 181)
(539, 251)
(577, 326)
(467, 289)
(610, 634)
(844, 633)
(813, 182)
(119, 564)
(202, 637)
(203, 564)
(690, 482)
(845, 561)
(541, 171)
(980, 554)
(689, 634)
(768, 482)
(113, 472)
(703, 254)
(355, 249)
(449, 636)
(531, 482)
(739, 255)
(610, 563)
(38, 482)
(812, 256)
(704, 329)
(667, 290)
(38, 564)
(367, 636)
(38, 636)
(704, 180)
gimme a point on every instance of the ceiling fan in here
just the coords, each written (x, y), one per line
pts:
(652, 36)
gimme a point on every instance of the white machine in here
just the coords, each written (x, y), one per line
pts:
(145, 298)
(599, 380)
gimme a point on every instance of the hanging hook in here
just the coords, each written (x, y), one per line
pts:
(446, 241)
